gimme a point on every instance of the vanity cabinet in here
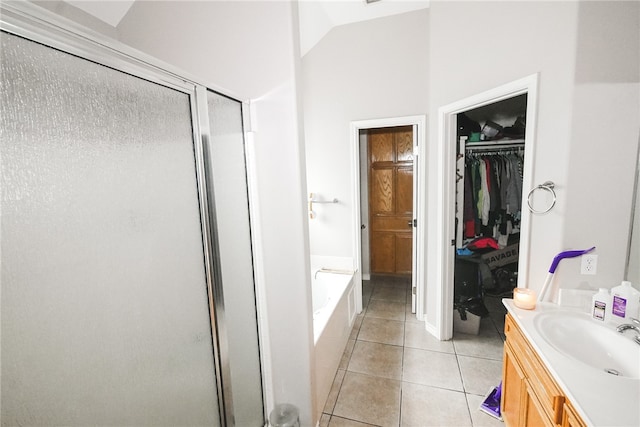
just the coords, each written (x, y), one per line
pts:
(530, 396)
(570, 418)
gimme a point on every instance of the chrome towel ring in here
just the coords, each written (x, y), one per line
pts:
(547, 186)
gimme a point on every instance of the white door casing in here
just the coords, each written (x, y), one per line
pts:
(442, 277)
(419, 126)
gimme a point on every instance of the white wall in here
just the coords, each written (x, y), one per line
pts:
(227, 43)
(468, 56)
(235, 47)
(605, 130)
(633, 273)
(600, 181)
(356, 72)
(79, 16)
(586, 55)
(435, 57)
(569, 141)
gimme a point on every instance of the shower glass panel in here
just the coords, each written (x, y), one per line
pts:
(229, 183)
(104, 306)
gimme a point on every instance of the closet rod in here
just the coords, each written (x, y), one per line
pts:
(494, 152)
(474, 147)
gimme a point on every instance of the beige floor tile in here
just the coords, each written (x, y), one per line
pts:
(487, 344)
(479, 418)
(366, 297)
(479, 375)
(409, 316)
(355, 329)
(431, 368)
(366, 389)
(343, 422)
(346, 355)
(358, 321)
(380, 360)
(369, 400)
(416, 336)
(498, 322)
(383, 309)
(494, 304)
(389, 293)
(424, 406)
(324, 420)
(354, 334)
(494, 323)
(391, 281)
(382, 331)
(333, 393)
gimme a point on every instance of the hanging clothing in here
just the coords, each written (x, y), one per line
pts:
(485, 202)
(468, 211)
(493, 194)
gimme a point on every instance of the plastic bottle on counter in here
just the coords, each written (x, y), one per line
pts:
(625, 301)
(601, 305)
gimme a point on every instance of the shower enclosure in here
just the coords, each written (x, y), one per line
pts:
(127, 292)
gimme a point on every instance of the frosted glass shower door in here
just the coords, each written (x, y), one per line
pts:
(229, 183)
(104, 303)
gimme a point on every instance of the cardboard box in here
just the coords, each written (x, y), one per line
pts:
(501, 257)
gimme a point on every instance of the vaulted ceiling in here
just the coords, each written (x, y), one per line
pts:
(317, 18)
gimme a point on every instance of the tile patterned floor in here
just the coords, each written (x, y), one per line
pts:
(393, 373)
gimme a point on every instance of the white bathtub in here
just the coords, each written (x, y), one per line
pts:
(334, 311)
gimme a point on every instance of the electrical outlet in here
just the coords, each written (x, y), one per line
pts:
(589, 264)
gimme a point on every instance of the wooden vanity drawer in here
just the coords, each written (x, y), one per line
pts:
(540, 381)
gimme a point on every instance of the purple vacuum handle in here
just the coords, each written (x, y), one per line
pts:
(566, 254)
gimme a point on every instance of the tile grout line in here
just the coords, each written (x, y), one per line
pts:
(359, 326)
(464, 389)
(494, 322)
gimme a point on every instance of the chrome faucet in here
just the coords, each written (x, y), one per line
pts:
(635, 327)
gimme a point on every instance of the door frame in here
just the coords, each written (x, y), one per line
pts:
(419, 124)
(446, 148)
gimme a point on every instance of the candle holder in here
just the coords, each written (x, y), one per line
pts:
(524, 298)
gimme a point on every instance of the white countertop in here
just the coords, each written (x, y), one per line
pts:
(601, 399)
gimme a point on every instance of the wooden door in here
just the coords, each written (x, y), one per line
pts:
(391, 199)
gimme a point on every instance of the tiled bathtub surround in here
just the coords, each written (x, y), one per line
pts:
(394, 373)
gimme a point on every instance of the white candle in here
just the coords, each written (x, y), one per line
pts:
(524, 298)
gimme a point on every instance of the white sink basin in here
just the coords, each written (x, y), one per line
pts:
(579, 337)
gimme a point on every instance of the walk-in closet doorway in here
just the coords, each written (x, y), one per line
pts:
(450, 158)
(489, 174)
(127, 290)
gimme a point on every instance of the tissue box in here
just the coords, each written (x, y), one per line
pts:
(470, 326)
